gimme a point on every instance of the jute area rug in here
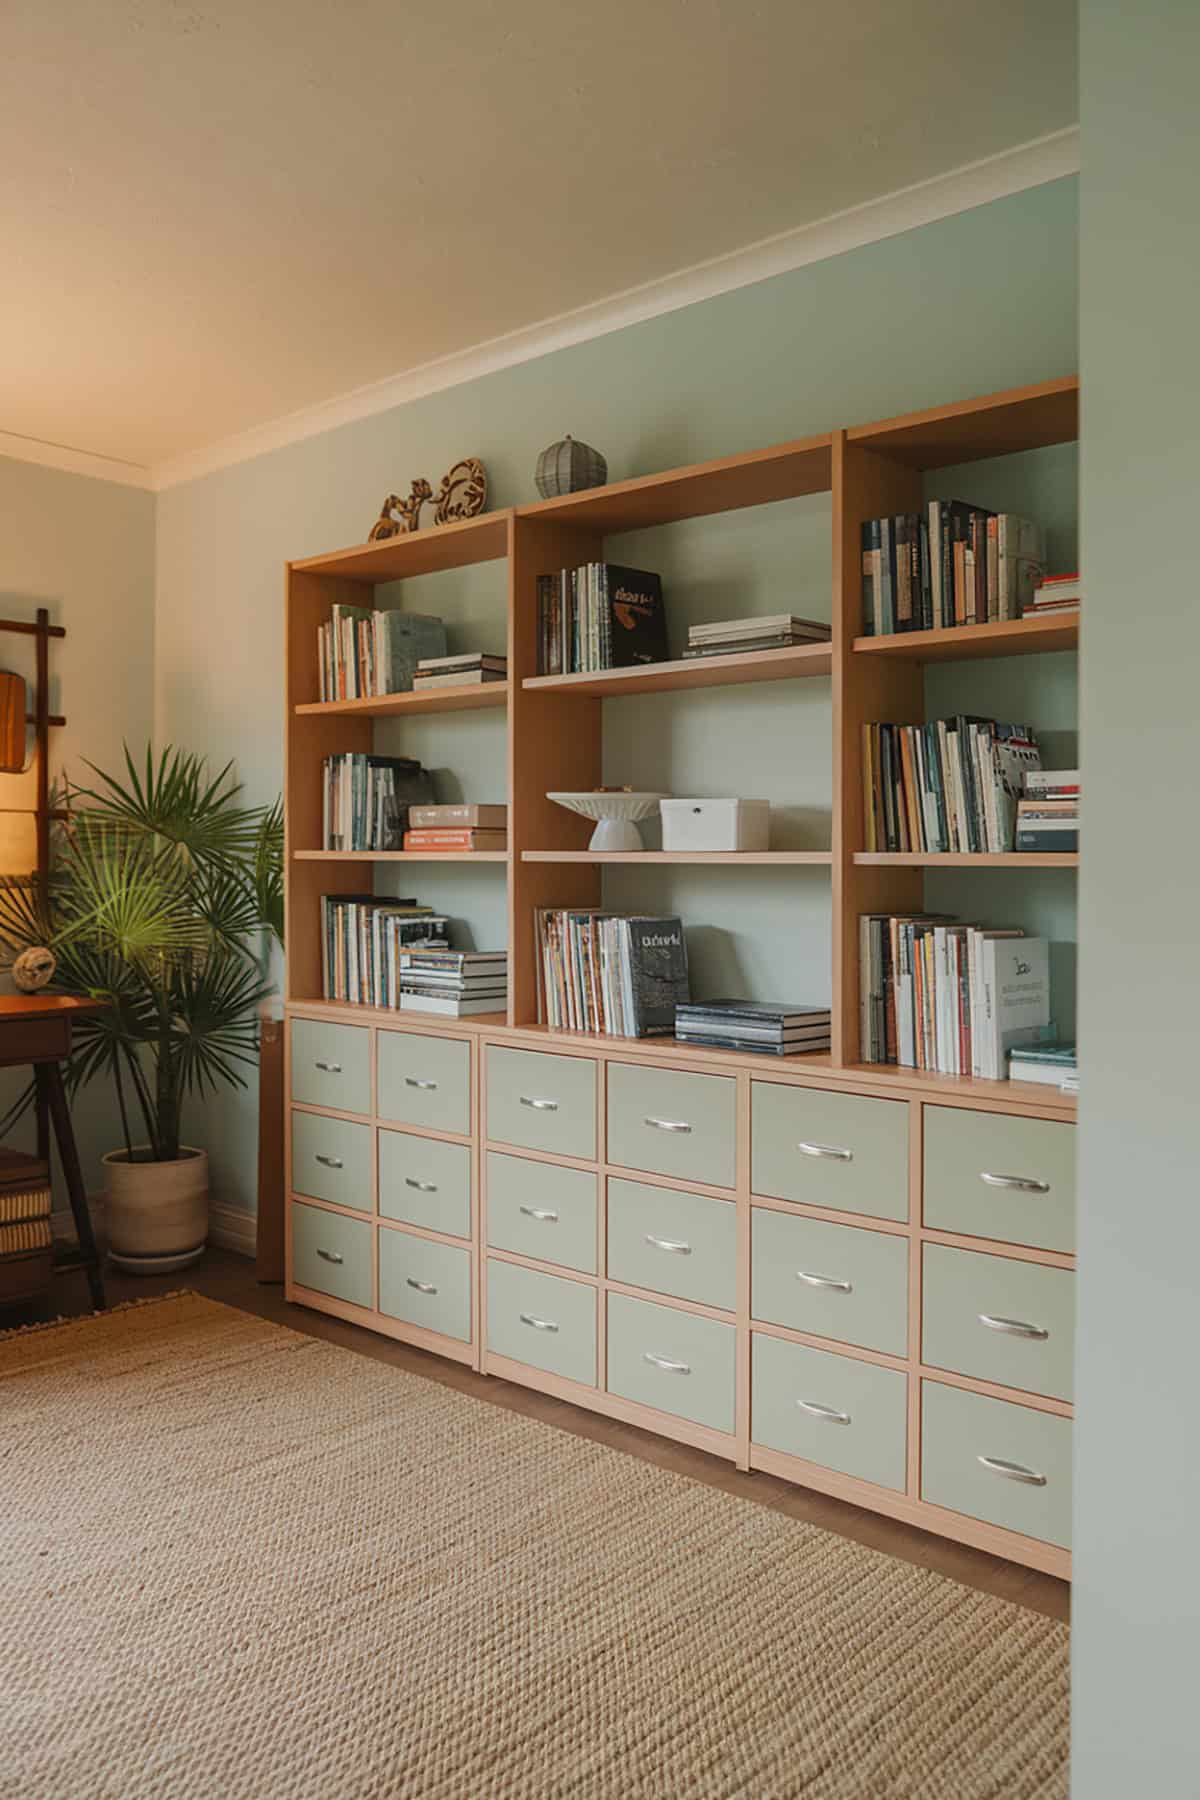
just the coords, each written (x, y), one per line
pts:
(241, 1562)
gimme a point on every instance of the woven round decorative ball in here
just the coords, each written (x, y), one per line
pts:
(34, 969)
(569, 466)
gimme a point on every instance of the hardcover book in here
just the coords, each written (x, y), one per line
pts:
(658, 968)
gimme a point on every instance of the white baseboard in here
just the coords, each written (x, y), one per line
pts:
(228, 1226)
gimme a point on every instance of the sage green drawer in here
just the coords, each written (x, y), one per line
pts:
(997, 1461)
(672, 1242)
(425, 1283)
(542, 1102)
(331, 1065)
(425, 1081)
(542, 1210)
(331, 1159)
(675, 1361)
(543, 1320)
(424, 1181)
(671, 1123)
(988, 1175)
(331, 1253)
(837, 1281)
(1030, 1340)
(846, 1415)
(838, 1150)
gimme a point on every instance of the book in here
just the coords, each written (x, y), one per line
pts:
(949, 786)
(363, 938)
(456, 960)
(361, 653)
(1020, 558)
(621, 975)
(1015, 999)
(772, 1049)
(458, 816)
(451, 1008)
(740, 646)
(756, 1012)
(600, 616)
(464, 659)
(772, 625)
(1060, 839)
(1057, 590)
(366, 798)
(474, 677)
(1049, 1064)
(451, 839)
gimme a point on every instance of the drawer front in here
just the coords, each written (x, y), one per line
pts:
(1030, 1342)
(991, 1176)
(542, 1210)
(425, 1283)
(423, 1181)
(425, 1081)
(673, 1243)
(672, 1360)
(331, 1253)
(846, 1415)
(331, 1160)
(837, 1150)
(331, 1065)
(542, 1102)
(543, 1320)
(670, 1123)
(1025, 1482)
(837, 1281)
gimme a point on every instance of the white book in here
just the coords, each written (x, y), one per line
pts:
(1016, 978)
(455, 1009)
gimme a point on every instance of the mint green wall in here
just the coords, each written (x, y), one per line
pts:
(1137, 1509)
(980, 301)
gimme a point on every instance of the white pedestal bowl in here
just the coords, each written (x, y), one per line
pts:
(616, 816)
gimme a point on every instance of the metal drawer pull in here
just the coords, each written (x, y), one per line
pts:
(328, 1162)
(675, 1245)
(1017, 1184)
(422, 1187)
(328, 1068)
(667, 1124)
(539, 1105)
(825, 1281)
(829, 1414)
(412, 1081)
(1010, 1471)
(329, 1255)
(422, 1287)
(1013, 1327)
(834, 1152)
(542, 1213)
(666, 1362)
(538, 1324)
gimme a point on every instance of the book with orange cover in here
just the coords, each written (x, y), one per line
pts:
(465, 839)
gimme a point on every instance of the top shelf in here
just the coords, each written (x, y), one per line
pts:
(1025, 418)
(427, 552)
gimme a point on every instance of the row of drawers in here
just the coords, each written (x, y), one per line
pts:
(985, 1174)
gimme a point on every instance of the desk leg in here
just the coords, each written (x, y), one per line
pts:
(50, 1087)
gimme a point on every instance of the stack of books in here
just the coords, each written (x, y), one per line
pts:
(606, 972)
(949, 786)
(1054, 1065)
(1055, 594)
(434, 829)
(362, 654)
(600, 616)
(470, 669)
(773, 631)
(948, 998)
(768, 1030)
(366, 800)
(1048, 810)
(363, 937)
(953, 564)
(457, 983)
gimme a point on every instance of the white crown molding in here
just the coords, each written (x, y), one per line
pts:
(74, 462)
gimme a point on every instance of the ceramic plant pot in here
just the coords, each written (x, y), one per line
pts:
(157, 1212)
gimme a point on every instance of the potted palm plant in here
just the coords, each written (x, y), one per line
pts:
(164, 894)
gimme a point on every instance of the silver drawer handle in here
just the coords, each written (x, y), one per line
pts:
(328, 1162)
(1011, 1471)
(422, 1187)
(422, 1287)
(329, 1255)
(832, 1152)
(539, 1105)
(541, 1213)
(675, 1245)
(538, 1324)
(828, 1414)
(1017, 1184)
(1013, 1327)
(825, 1281)
(666, 1362)
(328, 1068)
(412, 1081)
(667, 1124)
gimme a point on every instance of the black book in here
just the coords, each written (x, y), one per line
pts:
(635, 622)
(726, 1043)
(658, 973)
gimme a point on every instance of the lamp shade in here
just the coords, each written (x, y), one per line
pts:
(12, 723)
(18, 845)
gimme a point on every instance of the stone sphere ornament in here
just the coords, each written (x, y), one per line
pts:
(568, 467)
(34, 969)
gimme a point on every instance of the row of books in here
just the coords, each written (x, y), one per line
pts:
(599, 616)
(949, 786)
(773, 631)
(949, 998)
(620, 975)
(367, 800)
(1052, 1065)
(952, 564)
(472, 668)
(1048, 811)
(766, 1029)
(363, 653)
(456, 983)
(363, 940)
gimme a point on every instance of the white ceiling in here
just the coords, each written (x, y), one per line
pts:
(217, 212)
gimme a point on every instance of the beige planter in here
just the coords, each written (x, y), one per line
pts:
(157, 1212)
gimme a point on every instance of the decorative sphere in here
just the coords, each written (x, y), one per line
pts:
(34, 969)
(568, 467)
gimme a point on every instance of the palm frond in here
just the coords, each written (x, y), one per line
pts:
(178, 800)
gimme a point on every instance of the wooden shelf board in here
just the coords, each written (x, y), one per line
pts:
(968, 430)
(725, 858)
(453, 546)
(670, 1050)
(1008, 637)
(344, 1011)
(978, 859)
(391, 706)
(755, 478)
(400, 856)
(1037, 1094)
(694, 672)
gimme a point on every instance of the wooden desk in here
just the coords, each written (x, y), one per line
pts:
(36, 1029)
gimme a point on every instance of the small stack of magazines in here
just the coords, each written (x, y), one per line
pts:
(769, 1029)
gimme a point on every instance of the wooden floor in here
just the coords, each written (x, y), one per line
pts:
(224, 1276)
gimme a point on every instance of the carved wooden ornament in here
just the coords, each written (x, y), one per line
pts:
(462, 494)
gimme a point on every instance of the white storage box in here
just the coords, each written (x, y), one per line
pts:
(715, 824)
